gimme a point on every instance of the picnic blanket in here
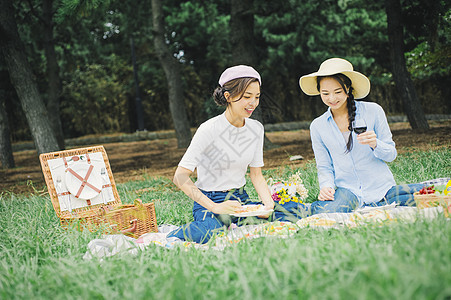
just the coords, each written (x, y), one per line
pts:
(110, 245)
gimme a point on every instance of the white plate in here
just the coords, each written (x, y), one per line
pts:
(73, 183)
(261, 211)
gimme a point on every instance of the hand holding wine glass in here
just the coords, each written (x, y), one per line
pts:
(364, 137)
(359, 126)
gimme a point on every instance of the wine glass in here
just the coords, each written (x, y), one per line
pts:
(359, 126)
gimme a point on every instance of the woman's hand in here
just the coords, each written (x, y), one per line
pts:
(266, 216)
(227, 207)
(368, 138)
(262, 189)
(326, 194)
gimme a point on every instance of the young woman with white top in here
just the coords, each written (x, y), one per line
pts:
(222, 149)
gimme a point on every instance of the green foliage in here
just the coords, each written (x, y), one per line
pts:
(77, 8)
(296, 36)
(424, 63)
(308, 32)
(96, 99)
(204, 50)
(291, 39)
(207, 42)
(428, 60)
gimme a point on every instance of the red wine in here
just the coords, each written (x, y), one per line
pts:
(359, 130)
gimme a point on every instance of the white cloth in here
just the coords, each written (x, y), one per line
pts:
(111, 245)
(222, 153)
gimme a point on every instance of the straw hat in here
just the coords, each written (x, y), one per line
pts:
(360, 82)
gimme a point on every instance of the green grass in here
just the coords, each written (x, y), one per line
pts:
(39, 260)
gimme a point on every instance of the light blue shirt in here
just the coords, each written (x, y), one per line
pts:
(363, 170)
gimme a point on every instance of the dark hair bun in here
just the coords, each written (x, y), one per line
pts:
(218, 96)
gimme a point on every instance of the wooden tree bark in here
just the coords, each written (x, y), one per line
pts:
(242, 42)
(22, 78)
(6, 151)
(242, 32)
(173, 76)
(54, 87)
(404, 84)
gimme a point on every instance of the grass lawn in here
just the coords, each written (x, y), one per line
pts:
(39, 260)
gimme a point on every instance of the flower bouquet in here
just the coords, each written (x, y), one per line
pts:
(289, 196)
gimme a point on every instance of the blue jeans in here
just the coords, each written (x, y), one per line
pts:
(346, 201)
(402, 194)
(290, 211)
(205, 222)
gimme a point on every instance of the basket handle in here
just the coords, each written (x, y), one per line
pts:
(133, 228)
(138, 203)
(104, 209)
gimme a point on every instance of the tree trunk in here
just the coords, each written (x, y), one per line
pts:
(432, 20)
(138, 102)
(242, 32)
(405, 87)
(173, 76)
(242, 42)
(6, 151)
(23, 81)
(54, 88)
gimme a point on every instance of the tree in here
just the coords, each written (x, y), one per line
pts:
(6, 152)
(174, 79)
(242, 40)
(23, 81)
(37, 29)
(242, 32)
(404, 83)
(203, 49)
(290, 38)
(53, 77)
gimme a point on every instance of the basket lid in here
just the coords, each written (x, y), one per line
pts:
(65, 173)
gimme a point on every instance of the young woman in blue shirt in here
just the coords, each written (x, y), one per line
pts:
(352, 169)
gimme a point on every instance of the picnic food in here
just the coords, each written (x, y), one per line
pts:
(433, 196)
(249, 208)
(427, 190)
(435, 190)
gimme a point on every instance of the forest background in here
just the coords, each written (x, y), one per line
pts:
(98, 69)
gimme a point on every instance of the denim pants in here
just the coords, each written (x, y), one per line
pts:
(205, 222)
(345, 201)
(402, 194)
(290, 211)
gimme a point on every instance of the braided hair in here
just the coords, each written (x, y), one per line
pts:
(346, 84)
(235, 87)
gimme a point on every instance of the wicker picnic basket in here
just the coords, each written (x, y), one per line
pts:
(433, 200)
(73, 176)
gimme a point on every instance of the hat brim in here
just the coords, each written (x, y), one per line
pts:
(360, 83)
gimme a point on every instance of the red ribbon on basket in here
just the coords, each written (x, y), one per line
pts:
(84, 181)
